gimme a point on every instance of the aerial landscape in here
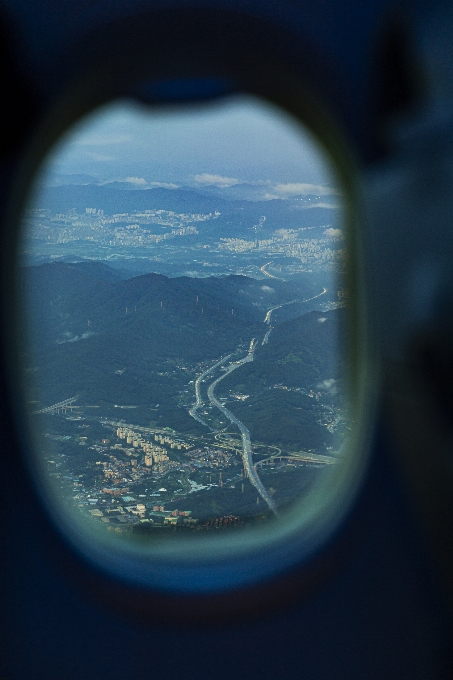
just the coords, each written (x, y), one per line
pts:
(184, 364)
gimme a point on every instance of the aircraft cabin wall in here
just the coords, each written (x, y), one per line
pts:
(373, 601)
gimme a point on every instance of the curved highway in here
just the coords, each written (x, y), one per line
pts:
(198, 399)
(271, 276)
(245, 434)
(249, 468)
(267, 318)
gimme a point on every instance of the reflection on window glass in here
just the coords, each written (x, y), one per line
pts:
(183, 276)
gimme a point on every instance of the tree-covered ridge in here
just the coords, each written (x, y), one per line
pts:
(142, 341)
(291, 380)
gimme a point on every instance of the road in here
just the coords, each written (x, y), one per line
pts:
(267, 318)
(301, 456)
(245, 434)
(271, 276)
(198, 399)
(266, 337)
(61, 406)
(246, 453)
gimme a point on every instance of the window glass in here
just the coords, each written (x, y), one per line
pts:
(184, 285)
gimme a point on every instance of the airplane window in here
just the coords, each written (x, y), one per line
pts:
(184, 274)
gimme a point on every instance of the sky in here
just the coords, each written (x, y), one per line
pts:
(238, 140)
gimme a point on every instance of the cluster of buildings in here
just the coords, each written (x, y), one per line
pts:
(120, 229)
(135, 458)
(226, 521)
(291, 243)
(212, 458)
(314, 251)
(126, 513)
(154, 454)
(120, 518)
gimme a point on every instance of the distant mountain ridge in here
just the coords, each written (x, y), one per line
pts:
(107, 338)
(238, 217)
(139, 341)
(65, 296)
(63, 198)
(253, 191)
(68, 300)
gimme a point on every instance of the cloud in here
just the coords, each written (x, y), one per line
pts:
(331, 206)
(322, 319)
(303, 189)
(328, 386)
(216, 180)
(333, 233)
(74, 338)
(293, 189)
(267, 289)
(165, 185)
(139, 181)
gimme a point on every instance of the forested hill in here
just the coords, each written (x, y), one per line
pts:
(108, 338)
(199, 318)
(302, 352)
(63, 198)
(139, 341)
(302, 358)
(68, 300)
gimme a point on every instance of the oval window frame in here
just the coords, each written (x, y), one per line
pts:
(252, 567)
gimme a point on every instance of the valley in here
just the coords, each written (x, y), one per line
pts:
(183, 402)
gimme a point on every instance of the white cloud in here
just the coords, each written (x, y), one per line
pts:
(292, 189)
(322, 319)
(267, 289)
(75, 338)
(328, 386)
(165, 185)
(303, 189)
(330, 206)
(333, 233)
(216, 180)
(139, 181)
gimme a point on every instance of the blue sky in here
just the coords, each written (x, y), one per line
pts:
(240, 139)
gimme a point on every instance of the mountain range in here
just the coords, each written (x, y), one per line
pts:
(237, 216)
(139, 341)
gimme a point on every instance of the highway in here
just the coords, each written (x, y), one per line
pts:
(301, 456)
(61, 406)
(266, 337)
(271, 276)
(267, 318)
(246, 453)
(245, 434)
(198, 399)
